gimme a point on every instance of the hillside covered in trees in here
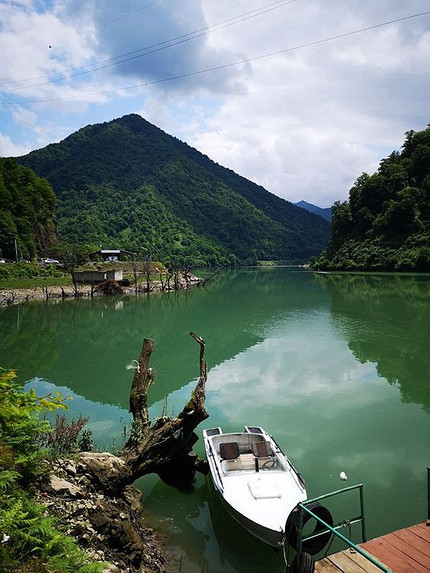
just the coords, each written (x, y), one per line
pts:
(27, 212)
(128, 184)
(385, 225)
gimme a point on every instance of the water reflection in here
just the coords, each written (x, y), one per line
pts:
(201, 535)
(184, 519)
(107, 423)
(86, 344)
(28, 339)
(386, 320)
(306, 356)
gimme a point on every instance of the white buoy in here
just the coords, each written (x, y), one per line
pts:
(343, 476)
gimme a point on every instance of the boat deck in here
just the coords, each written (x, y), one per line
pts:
(403, 551)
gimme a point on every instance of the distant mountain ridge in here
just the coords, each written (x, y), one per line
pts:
(321, 211)
(126, 183)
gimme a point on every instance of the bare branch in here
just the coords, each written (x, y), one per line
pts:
(203, 365)
(142, 380)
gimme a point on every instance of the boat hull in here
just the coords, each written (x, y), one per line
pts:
(257, 483)
(269, 536)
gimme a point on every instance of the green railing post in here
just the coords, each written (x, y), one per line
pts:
(363, 524)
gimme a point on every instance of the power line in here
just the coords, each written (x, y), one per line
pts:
(153, 48)
(128, 14)
(163, 45)
(26, 123)
(240, 62)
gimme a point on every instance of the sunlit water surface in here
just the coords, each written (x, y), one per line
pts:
(335, 367)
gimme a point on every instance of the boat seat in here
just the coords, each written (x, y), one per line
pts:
(262, 449)
(229, 450)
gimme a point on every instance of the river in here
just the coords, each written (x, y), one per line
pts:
(335, 366)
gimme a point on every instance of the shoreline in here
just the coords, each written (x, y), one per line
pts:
(12, 296)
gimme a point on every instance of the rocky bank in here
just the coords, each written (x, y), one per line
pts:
(108, 525)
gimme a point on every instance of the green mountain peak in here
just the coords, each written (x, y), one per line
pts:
(126, 183)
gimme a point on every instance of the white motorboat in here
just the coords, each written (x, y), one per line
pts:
(257, 482)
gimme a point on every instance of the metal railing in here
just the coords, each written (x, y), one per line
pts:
(335, 529)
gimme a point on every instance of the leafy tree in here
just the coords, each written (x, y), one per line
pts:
(385, 225)
(341, 222)
(27, 205)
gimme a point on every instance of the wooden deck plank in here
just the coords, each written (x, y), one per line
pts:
(326, 566)
(422, 545)
(421, 530)
(348, 563)
(403, 551)
(345, 562)
(410, 550)
(395, 559)
(367, 565)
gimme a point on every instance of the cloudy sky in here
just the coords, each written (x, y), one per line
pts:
(300, 96)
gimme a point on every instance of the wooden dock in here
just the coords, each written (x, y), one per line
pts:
(403, 551)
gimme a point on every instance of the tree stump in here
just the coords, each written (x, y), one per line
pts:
(165, 447)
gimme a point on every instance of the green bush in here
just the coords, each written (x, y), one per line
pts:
(28, 271)
(29, 539)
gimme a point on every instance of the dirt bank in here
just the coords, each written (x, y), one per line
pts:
(20, 295)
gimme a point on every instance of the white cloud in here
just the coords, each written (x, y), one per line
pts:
(295, 361)
(9, 148)
(303, 123)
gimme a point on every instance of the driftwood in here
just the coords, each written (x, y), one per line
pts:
(165, 446)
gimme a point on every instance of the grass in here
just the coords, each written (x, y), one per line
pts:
(14, 283)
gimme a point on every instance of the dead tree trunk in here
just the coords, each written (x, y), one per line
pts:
(165, 446)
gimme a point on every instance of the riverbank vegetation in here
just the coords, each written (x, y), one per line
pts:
(385, 225)
(30, 540)
(30, 272)
(27, 212)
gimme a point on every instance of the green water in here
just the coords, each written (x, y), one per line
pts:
(335, 367)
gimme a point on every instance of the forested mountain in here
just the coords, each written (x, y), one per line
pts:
(322, 212)
(27, 217)
(128, 184)
(385, 225)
